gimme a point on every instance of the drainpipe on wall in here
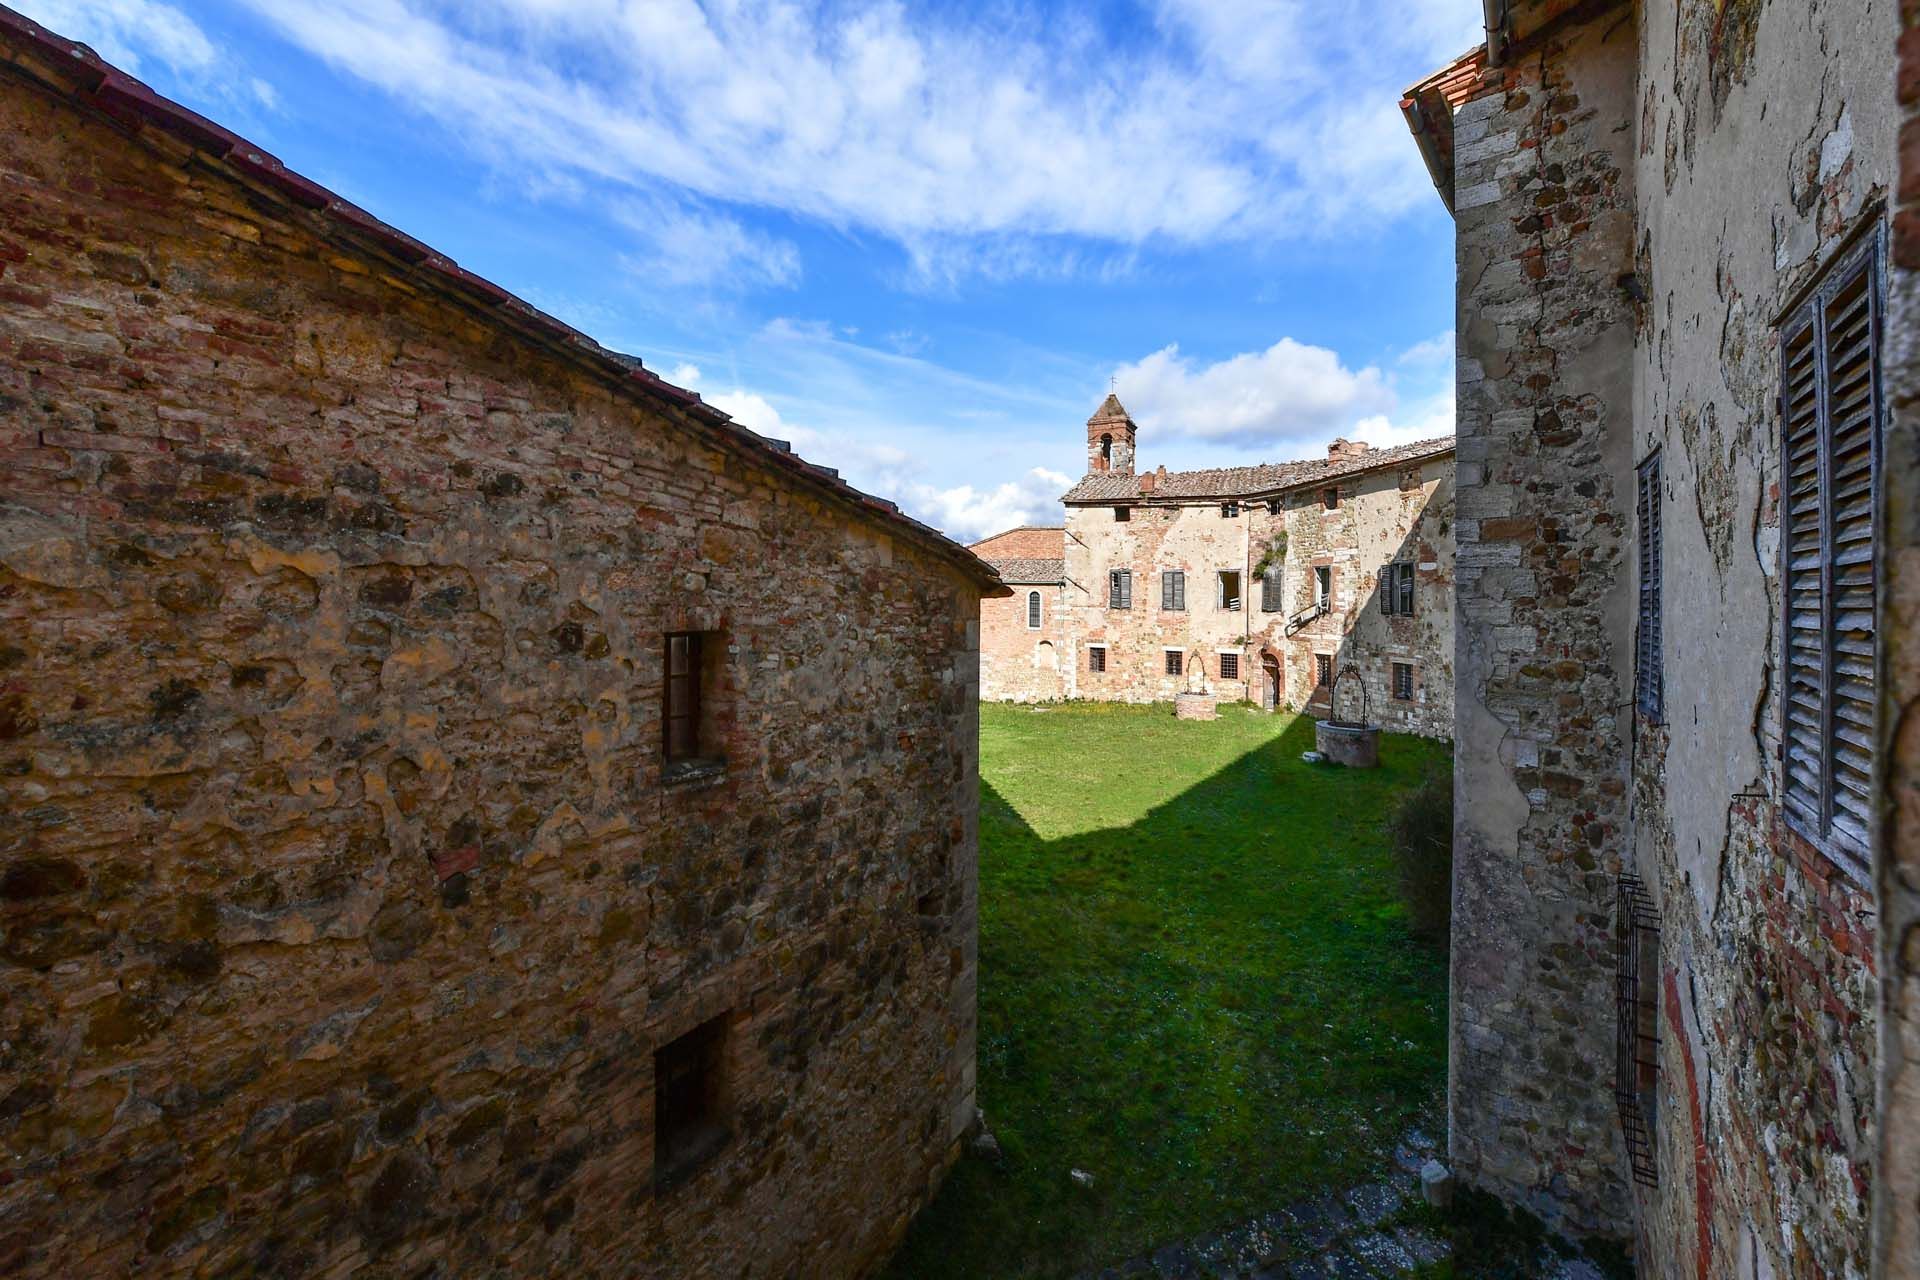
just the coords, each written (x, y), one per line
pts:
(1496, 11)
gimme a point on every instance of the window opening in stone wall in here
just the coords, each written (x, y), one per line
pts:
(1330, 498)
(1636, 1022)
(1229, 594)
(1649, 678)
(1272, 591)
(1120, 589)
(1403, 681)
(1096, 658)
(1276, 505)
(1229, 666)
(1033, 610)
(1323, 586)
(1106, 450)
(1322, 670)
(1831, 411)
(1173, 590)
(689, 737)
(1396, 589)
(1229, 510)
(690, 1121)
(1173, 662)
(1122, 514)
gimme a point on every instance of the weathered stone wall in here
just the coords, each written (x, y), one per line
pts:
(1384, 515)
(1544, 206)
(1019, 663)
(1897, 1176)
(343, 904)
(1765, 134)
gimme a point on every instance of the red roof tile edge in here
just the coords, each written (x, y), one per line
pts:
(99, 84)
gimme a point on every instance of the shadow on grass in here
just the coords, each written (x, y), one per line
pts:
(1213, 1009)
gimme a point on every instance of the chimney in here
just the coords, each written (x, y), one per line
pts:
(1344, 448)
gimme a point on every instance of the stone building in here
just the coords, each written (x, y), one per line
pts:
(1258, 582)
(1672, 271)
(445, 825)
(1023, 653)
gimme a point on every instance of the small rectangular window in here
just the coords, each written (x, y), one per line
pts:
(1272, 591)
(1403, 682)
(689, 734)
(1649, 679)
(1096, 658)
(1173, 662)
(1033, 610)
(1330, 498)
(1173, 590)
(1229, 593)
(1229, 666)
(1122, 514)
(1229, 510)
(689, 1101)
(1276, 505)
(1832, 416)
(1120, 589)
(1322, 670)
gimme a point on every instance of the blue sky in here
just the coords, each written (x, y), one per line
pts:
(920, 241)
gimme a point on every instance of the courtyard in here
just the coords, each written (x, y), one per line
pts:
(1197, 985)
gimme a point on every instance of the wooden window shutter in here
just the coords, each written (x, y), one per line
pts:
(1387, 596)
(1831, 410)
(1649, 678)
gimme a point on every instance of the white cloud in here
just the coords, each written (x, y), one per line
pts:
(989, 140)
(966, 514)
(681, 246)
(1436, 352)
(1290, 394)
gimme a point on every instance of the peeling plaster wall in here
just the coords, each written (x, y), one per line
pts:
(1383, 516)
(343, 901)
(1764, 133)
(1544, 208)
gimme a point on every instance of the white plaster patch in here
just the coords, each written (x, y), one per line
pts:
(1837, 148)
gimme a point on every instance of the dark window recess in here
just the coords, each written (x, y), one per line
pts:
(1173, 662)
(1276, 505)
(1106, 450)
(1173, 589)
(1648, 676)
(1123, 514)
(1396, 589)
(1272, 591)
(1636, 1023)
(1229, 594)
(1831, 410)
(1322, 670)
(1120, 589)
(1096, 658)
(1330, 498)
(1323, 586)
(1033, 610)
(1229, 666)
(685, 674)
(689, 1101)
(1403, 681)
(1228, 510)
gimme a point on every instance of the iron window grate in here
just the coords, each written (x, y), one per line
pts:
(1637, 1026)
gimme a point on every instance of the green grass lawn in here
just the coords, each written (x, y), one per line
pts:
(1195, 983)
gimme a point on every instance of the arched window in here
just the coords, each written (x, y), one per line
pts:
(1106, 450)
(1033, 610)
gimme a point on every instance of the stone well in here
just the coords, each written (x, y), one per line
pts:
(1356, 746)
(1195, 706)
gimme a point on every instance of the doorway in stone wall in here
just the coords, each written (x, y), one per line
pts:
(1270, 667)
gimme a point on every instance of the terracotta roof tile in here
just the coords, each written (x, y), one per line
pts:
(1027, 542)
(1240, 482)
(1031, 572)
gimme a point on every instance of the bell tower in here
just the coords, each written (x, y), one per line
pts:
(1110, 435)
